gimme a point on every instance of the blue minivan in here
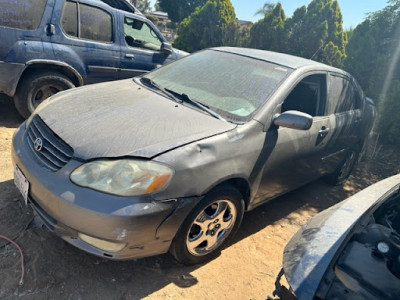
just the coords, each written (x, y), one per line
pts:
(51, 45)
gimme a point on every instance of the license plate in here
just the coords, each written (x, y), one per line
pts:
(22, 183)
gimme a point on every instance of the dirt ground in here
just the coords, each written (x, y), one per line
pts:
(246, 268)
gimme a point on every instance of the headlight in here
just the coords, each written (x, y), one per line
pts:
(125, 177)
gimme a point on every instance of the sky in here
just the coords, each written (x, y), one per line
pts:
(353, 11)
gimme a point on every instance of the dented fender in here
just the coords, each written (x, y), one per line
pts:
(204, 164)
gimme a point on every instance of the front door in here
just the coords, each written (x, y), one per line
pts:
(296, 157)
(141, 47)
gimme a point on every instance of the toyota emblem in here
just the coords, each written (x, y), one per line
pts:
(38, 144)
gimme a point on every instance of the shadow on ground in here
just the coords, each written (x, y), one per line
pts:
(9, 116)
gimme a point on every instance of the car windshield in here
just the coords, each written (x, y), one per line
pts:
(232, 85)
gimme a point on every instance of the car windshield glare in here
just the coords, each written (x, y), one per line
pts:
(232, 85)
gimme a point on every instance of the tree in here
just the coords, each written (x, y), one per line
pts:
(269, 32)
(373, 55)
(143, 5)
(211, 25)
(296, 30)
(268, 6)
(179, 9)
(317, 32)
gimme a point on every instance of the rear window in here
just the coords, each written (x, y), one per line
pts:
(21, 14)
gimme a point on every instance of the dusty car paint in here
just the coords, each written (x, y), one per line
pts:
(313, 250)
(243, 152)
(75, 122)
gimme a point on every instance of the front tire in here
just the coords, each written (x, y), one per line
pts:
(208, 226)
(36, 87)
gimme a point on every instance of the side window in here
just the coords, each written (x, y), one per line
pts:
(358, 95)
(95, 24)
(139, 34)
(308, 96)
(342, 94)
(69, 19)
(22, 14)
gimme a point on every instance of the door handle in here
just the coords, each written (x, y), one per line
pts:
(323, 131)
(129, 55)
(51, 29)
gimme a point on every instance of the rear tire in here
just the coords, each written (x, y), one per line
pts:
(343, 171)
(36, 87)
(208, 226)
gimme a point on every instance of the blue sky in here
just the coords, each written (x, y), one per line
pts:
(353, 11)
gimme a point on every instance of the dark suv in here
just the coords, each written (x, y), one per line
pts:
(52, 45)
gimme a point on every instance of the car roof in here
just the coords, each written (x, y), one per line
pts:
(282, 59)
(122, 5)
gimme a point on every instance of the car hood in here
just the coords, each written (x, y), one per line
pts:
(311, 250)
(122, 118)
(180, 53)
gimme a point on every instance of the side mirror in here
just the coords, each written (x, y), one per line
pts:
(137, 24)
(294, 119)
(166, 48)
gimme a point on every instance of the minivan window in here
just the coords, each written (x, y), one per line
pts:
(139, 34)
(95, 23)
(22, 14)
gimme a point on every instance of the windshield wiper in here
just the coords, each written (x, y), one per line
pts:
(186, 98)
(182, 97)
(166, 92)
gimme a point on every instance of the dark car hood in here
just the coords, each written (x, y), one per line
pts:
(122, 118)
(310, 251)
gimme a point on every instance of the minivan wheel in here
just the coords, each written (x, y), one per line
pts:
(35, 87)
(209, 225)
(343, 171)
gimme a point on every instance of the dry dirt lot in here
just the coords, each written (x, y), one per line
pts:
(246, 268)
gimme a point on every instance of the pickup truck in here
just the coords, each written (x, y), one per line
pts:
(51, 45)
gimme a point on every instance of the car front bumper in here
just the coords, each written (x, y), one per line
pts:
(96, 222)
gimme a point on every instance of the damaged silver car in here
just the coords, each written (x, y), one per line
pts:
(171, 160)
(348, 251)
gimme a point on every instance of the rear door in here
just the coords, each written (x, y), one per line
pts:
(84, 38)
(345, 99)
(140, 46)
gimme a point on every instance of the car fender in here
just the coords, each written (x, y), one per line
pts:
(15, 71)
(66, 68)
(214, 160)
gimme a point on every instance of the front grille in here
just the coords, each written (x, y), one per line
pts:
(51, 151)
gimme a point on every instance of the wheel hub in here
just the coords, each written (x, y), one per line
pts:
(213, 227)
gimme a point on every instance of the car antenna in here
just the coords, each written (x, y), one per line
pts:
(320, 47)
